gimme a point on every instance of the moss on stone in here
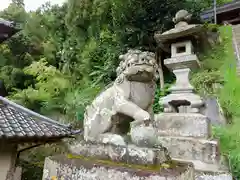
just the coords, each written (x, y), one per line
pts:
(156, 168)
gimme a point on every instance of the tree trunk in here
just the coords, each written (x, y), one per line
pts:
(160, 70)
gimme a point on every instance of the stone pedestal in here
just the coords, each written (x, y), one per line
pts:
(182, 93)
(187, 136)
(91, 161)
(62, 167)
(182, 81)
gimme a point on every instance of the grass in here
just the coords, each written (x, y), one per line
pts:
(229, 97)
(219, 66)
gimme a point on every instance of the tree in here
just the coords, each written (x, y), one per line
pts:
(82, 40)
(66, 54)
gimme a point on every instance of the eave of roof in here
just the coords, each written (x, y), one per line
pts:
(220, 9)
(23, 125)
(10, 28)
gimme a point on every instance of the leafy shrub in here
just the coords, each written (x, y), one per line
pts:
(230, 145)
(204, 81)
(32, 161)
(49, 88)
(76, 101)
(157, 108)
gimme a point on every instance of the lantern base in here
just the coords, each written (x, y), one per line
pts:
(174, 102)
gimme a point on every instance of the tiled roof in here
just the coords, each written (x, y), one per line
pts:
(17, 122)
(6, 23)
(8, 29)
(234, 5)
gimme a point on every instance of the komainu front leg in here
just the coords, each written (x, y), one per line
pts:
(132, 110)
(110, 138)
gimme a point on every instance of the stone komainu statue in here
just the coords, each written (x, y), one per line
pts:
(129, 99)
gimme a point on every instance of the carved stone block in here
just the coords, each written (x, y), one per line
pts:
(181, 48)
(172, 101)
(130, 153)
(62, 167)
(181, 62)
(182, 125)
(224, 176)
(182, 81)
(206, 151)
(143, 134)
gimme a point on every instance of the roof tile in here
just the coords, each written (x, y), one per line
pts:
(15, 123)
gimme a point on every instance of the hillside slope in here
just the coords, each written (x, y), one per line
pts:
(220, 67)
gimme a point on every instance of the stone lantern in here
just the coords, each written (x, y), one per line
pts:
(183, 59)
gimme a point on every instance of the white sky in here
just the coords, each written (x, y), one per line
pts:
(30, 4)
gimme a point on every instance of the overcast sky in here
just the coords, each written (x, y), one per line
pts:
(30, 4)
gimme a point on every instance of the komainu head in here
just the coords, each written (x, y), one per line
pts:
(138, 65)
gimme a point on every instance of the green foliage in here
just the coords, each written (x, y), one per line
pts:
(220, 2)
(50, 86)
(76, 101)
(32, 161)
(209, 3)
(220, 67)
(204, 81)
(230, 145)
(214, 61)
(157, 108)
(76, 44)
(230, 93)
(30, 171)
(66, 54)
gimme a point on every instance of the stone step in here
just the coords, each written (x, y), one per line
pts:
(203, 150)
(79, 168)
(236, 26)
(130, 153)
(183, 125)
(205, 168)
(225, 176)
(236, 31)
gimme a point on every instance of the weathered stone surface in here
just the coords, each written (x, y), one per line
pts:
(207, 168)
(130, 98)
(62, 167)
(130, 153)
(181, 62)
(172, 101)
(143, 135)
(214, 112)
(181, 29)
(186, 136)
(181, 48)
(182, 91)
(191, 148)
(182, 15)
(182, 124)
(214, 177)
